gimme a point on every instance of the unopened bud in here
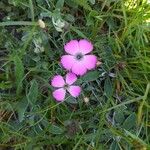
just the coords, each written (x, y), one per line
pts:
(86, 99)
(98, 63)
(41, 23)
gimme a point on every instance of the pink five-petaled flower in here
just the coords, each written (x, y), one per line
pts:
(78, 61)
(65, 85)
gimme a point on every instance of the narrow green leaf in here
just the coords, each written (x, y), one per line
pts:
(6, 85)
(78, 32)
(114, 146)
(92, 2)
(137, 141)
(18, 23)
(55, 129)
(140, 109)
(108, 88)
(83, 3)
(60, 4)
(33, 92)
(21, 108)
(19, 73)
(31, 9)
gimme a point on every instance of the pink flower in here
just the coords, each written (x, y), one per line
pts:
(77, 59)
(64, 86)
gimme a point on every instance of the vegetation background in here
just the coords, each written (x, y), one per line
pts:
(113, 111)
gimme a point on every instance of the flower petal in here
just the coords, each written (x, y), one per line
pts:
(72, 47)
(70, 78)
(79, 68)
(85, 46)
(58, 81)
(74, 91)
(67, 61)
(59, 94)
(90, 61)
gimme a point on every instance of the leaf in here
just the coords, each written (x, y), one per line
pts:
(90, 137)
(55, 129)
(71, 3)
(71, 100)
(31, 10)
(6, 85)
(114, 146)
(60, 4)
(78, 32)
(90, 76)
(21, 108)
(33, 92)
(140, 109)
(108, 89)
(84, 4)
(19, 73)
(137, 142)
(119, 116)
(70, 18)
(130, 122)
(92, 2)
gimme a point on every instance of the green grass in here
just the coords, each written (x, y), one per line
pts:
(117, 114)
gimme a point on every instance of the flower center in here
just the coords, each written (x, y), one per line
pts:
(79, 56)
(66, 86)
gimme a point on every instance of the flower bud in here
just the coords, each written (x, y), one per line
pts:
(98, 63)
(86, 99)
(41, 23)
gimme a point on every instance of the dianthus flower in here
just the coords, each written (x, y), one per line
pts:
(64, 86)
(78, 59)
